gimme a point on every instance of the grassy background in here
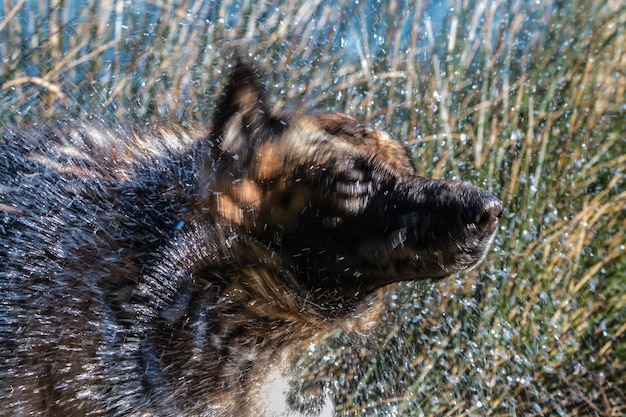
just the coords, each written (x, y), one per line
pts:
(525, 98)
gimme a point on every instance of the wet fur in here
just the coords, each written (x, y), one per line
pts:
(175, 271)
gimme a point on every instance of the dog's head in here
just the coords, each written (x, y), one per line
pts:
(341, 203)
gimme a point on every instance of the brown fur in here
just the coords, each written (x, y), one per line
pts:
(177, 272)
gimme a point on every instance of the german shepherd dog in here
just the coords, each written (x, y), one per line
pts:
(174, 272)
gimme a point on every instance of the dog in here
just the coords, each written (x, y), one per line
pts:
(175, 271)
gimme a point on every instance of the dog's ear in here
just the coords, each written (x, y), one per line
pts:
(243, 109)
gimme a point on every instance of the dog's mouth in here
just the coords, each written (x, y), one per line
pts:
(401, 256)
(430, 243)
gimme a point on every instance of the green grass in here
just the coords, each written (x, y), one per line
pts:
(526, 99)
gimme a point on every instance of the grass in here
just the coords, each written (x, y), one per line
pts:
(525, 99)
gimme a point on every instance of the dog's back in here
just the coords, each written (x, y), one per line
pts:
(84, 212)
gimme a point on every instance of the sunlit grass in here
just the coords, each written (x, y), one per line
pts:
(526, 99)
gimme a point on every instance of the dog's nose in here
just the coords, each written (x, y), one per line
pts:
(484, 212)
